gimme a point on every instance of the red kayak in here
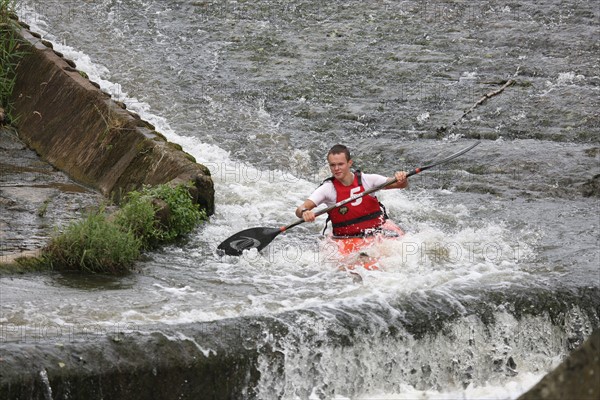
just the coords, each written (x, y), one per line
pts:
(354, 248)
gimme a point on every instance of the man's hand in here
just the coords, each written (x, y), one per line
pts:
(308, 215)
(402, 180)
(305, 212)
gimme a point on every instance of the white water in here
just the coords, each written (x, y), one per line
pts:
(445, 249)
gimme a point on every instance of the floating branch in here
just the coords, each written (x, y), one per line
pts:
(482, 100)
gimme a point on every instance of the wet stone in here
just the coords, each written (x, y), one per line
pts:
(35, 198)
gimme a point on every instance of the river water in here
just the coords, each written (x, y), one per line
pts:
(497, 277)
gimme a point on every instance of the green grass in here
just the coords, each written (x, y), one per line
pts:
(138, 216)
(139, 211)
(111, 244)
(93, 244)
(10, 54)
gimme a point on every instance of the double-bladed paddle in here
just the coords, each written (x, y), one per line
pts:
(259, 238)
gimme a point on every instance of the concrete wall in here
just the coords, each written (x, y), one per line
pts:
(576, 378)
(213, 360)
(75, 126)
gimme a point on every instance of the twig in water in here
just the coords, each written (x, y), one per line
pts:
(482, 100)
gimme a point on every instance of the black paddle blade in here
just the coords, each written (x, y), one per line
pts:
(253, 238)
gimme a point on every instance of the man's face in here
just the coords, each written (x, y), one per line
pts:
(339, 166)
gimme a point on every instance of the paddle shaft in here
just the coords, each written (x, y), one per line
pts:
(379, 187)
(260, 237)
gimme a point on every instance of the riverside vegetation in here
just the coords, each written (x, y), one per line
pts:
(110, 243)
(9, 56)
(102, 242)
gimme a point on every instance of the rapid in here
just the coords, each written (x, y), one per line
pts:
(497, 277)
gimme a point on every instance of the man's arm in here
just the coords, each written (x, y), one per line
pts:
(304, 210)
(372, 180)
(401, 181)
(323, 194)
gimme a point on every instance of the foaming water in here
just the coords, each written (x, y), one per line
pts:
(259, 132)
(296, 270)
(469, 362)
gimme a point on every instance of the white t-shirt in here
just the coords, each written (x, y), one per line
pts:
(326, 192)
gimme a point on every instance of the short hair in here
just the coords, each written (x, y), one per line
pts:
(340, 148)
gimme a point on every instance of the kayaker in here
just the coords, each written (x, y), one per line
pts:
(363, 215)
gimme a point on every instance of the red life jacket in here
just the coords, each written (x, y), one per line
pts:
(356, 217)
